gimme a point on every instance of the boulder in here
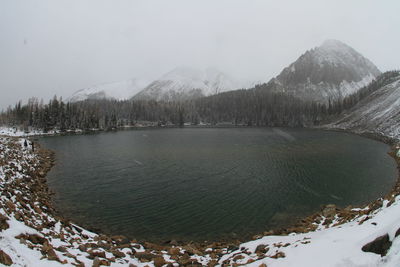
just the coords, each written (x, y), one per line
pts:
(261, 249)
(191, 250)
(118, 254)
(174, 251)
(98, 262)
(159, 261)
(152, 246)
(185, 260)
(36, 239)
(379, 246)
(10, 206)
(278, 255)
(3, 222)
(95, 254)
(5, 259)
(144, 256)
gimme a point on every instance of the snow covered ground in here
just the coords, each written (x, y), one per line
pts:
(333, 246)
(14, 131)
(45, 240)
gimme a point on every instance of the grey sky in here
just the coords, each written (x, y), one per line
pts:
(50, 47)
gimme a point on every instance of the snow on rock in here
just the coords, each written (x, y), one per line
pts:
(187, 83)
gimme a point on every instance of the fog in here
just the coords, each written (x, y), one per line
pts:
(52, 47)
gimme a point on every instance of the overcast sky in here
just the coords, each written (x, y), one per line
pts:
(57, 47)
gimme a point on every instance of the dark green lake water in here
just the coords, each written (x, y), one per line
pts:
(206, 184)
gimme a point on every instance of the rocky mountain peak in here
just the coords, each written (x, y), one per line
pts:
(329, 71)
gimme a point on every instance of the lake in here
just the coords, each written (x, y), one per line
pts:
(211, 183)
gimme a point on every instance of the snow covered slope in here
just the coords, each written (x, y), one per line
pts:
(188, 83)
(115, 90)
(378, 113)
(330, 71)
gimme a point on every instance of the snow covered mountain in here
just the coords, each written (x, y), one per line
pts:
(377, 113)
(188, 83)
(114, 90)
(330, 71)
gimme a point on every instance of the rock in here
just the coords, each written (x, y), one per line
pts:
(329, 211)
(327, 221)
(137, 246)
(192, 250)
(278, 255)
(18, 216)
(5, 259)
(120, 239)
(397, 233)
(97, 262)
(51, 255)
(255, 237)
(10, 206)
(233, 247)
(82, 248)
(212, 263)
(174, 251)
(159, 261)
(173, 242)
(104, 244)
(238, 257)
(262, 265)
(261, 249)
(153, 246)
(62, 249)
(94, 254)
(3, 222)
(185, 260)
(144, 256)
(36, 239)
(379, 246)
(118, 254)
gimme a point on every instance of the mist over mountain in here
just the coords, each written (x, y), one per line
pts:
(185, 83)
(182, 83)
(121, 90)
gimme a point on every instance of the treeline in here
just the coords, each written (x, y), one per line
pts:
(89, 114)
(254, 107)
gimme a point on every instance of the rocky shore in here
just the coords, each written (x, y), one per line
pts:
(33, 235)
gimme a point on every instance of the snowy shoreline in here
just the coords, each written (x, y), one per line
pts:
(42, 234)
